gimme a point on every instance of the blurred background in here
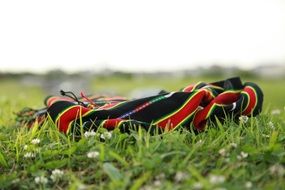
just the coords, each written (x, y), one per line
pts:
(136, 48)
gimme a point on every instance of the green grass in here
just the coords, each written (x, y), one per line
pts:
(233, 154)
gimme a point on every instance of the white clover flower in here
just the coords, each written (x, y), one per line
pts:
(88, 134)
(35, 141)
(277, 170)
(81, 187)
(56, 174)
(200, 142)
(16, 180)
(25, 147)
(29, 155)
(276, 112)
(271, 125)
(106, 135)
(222, 152)
(234, 145)
(180, 176)
(157, 183)
(248, 185)
(266, 136)
(217, 179)
(41, 180)
(242, 155)
(198, 186)
(243, 119)
(93, 154)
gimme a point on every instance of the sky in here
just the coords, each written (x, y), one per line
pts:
(146, 35)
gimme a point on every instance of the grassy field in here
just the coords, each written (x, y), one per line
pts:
(247, 155)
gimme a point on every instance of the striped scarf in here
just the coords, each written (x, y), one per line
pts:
(192, 107)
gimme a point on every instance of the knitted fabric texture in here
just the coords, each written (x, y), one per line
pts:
(192, 107)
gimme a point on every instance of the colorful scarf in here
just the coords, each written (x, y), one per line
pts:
(191, 107)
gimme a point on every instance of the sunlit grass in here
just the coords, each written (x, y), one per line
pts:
(232, 155)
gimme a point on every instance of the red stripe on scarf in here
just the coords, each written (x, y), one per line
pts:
(252, 101)
(70, 115)
(201, 116)
(111, 123)
(172, 121)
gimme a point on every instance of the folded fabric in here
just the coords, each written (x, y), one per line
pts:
(193, 106)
